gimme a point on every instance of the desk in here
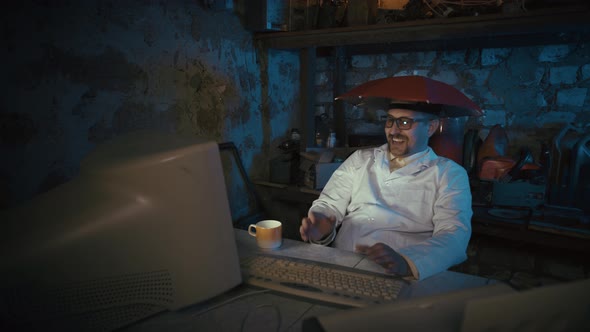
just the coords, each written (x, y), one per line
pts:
(262, 311)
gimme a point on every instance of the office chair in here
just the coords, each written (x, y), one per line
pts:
(447, 141)
(256, 210)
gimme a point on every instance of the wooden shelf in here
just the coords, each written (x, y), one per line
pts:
(547, 26)
(523, 231)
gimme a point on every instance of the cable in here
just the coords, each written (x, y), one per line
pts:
(251, 191)
(277, 311)
(300, 318)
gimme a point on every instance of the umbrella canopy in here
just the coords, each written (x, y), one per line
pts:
(413, 92)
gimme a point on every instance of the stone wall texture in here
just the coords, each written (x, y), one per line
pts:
(77, 73)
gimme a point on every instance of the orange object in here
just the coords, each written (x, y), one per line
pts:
(392, 4)
(491, 156)
(495, 145)
(493, 164)
(493, 168)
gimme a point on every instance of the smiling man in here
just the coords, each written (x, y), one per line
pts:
(402, 205)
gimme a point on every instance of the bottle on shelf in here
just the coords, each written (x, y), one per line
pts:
(331, 140)
(319, 142)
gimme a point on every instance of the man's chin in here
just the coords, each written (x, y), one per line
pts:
(398, 151)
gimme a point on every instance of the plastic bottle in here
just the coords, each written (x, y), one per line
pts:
(331, 140)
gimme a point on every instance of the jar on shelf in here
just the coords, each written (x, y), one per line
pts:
(295, 136)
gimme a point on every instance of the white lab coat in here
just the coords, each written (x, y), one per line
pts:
(422, 210)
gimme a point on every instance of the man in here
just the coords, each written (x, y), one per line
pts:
(403, 206)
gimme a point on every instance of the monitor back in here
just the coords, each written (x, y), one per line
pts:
(145, 227)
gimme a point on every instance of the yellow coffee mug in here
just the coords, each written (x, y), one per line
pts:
(268, 233)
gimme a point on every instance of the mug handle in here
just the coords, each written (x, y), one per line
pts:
(250, 230)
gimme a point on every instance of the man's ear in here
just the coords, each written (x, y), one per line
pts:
(433, 126)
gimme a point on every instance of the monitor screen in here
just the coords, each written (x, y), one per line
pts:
(142, 229)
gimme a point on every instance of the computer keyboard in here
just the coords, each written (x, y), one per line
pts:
(320, 281)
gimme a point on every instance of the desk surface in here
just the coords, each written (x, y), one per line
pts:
(246, 309)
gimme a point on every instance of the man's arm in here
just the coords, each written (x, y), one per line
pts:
(331, 204)
(452, 227)
(385, 256)
(317, 228)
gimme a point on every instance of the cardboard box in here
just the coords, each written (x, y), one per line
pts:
(392, 4)
(318, 164)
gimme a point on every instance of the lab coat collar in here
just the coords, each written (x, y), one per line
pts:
(413, 168)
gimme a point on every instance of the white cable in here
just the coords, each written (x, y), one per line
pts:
(277, 311)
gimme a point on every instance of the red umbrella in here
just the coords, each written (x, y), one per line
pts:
(413, 92)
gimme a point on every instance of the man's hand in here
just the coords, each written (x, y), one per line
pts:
(315, 226)
(385, 256)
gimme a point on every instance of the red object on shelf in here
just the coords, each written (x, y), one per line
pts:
(493, 168)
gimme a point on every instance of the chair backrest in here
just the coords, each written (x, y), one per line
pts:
(448, 140)
(245, 203)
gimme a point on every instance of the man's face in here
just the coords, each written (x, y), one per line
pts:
(404, 142)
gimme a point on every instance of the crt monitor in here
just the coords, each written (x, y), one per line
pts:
(142, 229)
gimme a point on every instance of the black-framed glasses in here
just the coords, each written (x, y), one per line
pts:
(402, 123)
